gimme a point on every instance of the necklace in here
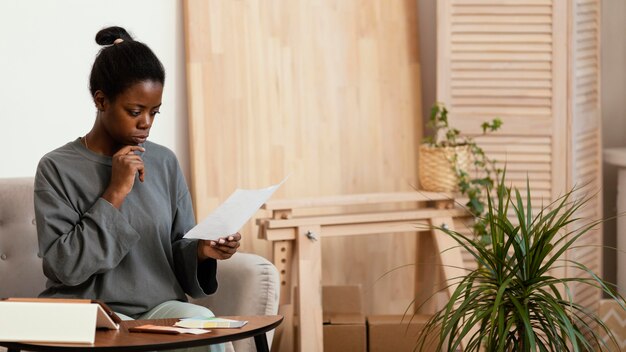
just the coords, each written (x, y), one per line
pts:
(85, 141)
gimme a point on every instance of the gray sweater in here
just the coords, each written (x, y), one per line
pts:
(133, 258)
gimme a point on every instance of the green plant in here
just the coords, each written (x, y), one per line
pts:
(443, 135)
(511, 302)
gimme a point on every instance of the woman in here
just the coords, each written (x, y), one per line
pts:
(112, 207)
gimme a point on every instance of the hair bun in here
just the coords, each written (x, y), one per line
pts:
(108, 35)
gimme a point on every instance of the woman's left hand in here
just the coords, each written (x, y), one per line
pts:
(223, 248)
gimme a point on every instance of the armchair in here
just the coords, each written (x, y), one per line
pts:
(248, 283)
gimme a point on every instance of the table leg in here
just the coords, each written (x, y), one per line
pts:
(283, 260)
(427, 274)
(451, 259)
(309, 297)
(260, 341)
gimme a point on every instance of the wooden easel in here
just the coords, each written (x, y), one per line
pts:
(296, 243)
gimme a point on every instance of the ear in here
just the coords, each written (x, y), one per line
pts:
(100, 100)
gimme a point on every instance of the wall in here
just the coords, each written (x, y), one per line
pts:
(613, 115)
(45, 62)
(46, 52)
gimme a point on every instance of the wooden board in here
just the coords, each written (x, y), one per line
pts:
(325, 90)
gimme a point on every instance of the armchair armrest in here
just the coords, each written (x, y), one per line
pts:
(248, 284)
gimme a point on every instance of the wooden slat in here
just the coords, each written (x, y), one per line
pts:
(481, 100)
(505, 38)
(512, 140)
(362, 218)
(518, 149)
(501, 28)
(486, 73)
(518, 125)
(502, 3)
(532, 67)
(451, 259)
(356, 199)
(501, 83)
(356, 230)
(502, 19)
(310, 292)
(503, 92)
(485, 9)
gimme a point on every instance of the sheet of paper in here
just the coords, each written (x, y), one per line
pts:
(231, 215)
(210, 323)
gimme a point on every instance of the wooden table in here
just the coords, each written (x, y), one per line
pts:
(122, 340)
(296, 243)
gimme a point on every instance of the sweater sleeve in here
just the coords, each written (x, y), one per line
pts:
(198, 279)
(76, 246)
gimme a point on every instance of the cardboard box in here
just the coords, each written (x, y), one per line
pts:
(387, 333)
(344, 322)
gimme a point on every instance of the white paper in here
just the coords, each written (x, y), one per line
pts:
(48, 322)
(231, 215)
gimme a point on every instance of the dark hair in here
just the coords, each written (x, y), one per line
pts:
(119, 66)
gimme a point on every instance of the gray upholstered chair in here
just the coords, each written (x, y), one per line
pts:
(248, 283)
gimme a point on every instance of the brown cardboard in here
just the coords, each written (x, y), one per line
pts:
(387, 333)
(344, 323)
(345, 337)
(342, 299)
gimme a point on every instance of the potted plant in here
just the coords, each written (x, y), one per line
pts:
(511, 302)
(451, 162)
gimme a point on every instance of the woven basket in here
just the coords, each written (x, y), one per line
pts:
(436, 172)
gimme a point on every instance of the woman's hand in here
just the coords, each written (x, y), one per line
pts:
(223, 248)
(125, 165)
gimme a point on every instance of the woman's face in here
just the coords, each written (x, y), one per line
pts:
(128, 119)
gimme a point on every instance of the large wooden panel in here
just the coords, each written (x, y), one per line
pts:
(325, 90)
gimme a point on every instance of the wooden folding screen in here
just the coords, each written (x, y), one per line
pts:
(326, 90)
(535, 64)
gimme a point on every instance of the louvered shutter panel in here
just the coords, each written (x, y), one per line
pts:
(534, 64)
(585, 139)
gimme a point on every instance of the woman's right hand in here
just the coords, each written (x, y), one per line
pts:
(125, 165)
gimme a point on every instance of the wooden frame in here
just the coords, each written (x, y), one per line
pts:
(296, 242)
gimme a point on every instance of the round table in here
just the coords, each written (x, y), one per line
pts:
(123, 340)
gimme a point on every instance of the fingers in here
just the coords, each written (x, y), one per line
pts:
(142, 172)
(235, 237)
(230, 247)
(223, 243)
(129, 149)
(219, 252)
(124, 168)
(224, 250)
(132, 160)
(231, 241)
